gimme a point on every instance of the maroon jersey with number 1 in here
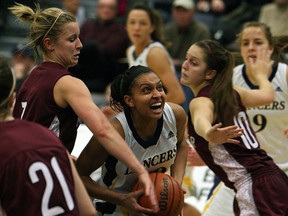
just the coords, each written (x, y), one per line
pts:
(35, 172)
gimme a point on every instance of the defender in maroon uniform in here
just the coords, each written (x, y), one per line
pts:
(37, 176)
(54, 98)
(232, 151)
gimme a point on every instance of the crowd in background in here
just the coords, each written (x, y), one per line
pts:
(105, 38)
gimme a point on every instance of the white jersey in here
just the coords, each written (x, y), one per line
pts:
(157, 154)
(268, 122)
(142, 58)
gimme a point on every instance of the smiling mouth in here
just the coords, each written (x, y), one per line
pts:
(156, 106)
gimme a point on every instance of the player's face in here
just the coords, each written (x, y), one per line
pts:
(67, 47)
(193, 68)
(139, 27)
(253, 41)
(147, 96)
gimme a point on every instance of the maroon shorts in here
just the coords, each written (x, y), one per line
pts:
(270, 193)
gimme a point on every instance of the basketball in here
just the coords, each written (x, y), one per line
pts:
(169, 194)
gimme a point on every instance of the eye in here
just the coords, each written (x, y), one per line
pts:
(72, 39)
(146, 89)
(160, 88)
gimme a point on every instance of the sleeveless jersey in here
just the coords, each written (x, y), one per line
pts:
(269, 121)
(35, 102)
(35, 172)
(142, 58)
(234, 164)
(156, 154)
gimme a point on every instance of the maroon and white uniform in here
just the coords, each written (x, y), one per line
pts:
(35, 102)
(35, 172)
(261, 187)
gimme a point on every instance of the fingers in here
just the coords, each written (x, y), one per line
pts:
(153, 199)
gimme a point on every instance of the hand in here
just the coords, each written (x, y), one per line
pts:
(129, 201)
(218, 135)
(146, 183)
(261, 66)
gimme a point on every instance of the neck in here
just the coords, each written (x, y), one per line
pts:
(5, 118)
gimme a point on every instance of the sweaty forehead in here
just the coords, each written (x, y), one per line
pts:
(147, 78)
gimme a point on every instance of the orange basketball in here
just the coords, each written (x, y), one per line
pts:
(169, 194)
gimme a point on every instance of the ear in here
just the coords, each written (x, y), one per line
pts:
(48, 44)
(210, 74)
(152, 29)
(129, 101)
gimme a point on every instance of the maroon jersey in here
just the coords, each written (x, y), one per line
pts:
(233, 164)
(35, 172)
(35, 102)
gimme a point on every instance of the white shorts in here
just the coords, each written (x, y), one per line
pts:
(220, 203)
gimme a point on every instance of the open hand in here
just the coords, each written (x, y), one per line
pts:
(218, 135)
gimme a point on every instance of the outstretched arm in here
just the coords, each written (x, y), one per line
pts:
(202, 115)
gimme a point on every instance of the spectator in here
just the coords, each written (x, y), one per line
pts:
(275, 16)
(105, 41)
(22, 62)
(74, 7)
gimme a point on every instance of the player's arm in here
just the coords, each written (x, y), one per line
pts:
(202, 115)
(83, 200)
(90, 159)
(178, 168)
(158, 61)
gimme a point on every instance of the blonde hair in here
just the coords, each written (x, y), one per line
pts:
(47, 23)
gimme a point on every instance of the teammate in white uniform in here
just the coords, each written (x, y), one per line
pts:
(269, 122)
(153, 129)
(144, 30)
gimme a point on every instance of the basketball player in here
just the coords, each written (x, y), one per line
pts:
(144, 27)
(232, 151)
(37, 176)
(153, 129)
(270, 121)
(54, 98)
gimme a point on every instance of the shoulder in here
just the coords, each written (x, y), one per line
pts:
(178, 111)
(117, 123)
(157, 50)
